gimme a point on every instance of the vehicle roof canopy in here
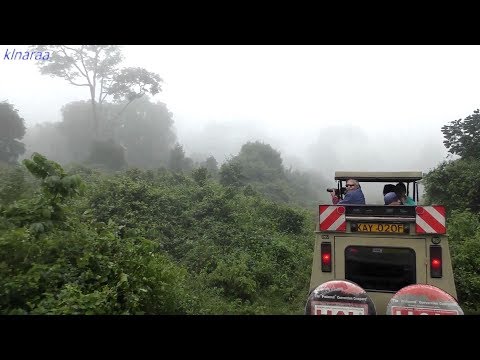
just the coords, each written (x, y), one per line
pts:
(379, 176)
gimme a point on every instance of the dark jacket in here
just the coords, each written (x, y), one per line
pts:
(353, 197)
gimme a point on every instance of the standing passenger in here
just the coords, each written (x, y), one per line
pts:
(391, 199)
(388, 188)
(354, 194)
(401, 191)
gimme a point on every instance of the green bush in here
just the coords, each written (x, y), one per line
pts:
(464, 239)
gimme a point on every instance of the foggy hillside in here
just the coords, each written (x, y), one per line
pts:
(329, 149)
(324, 108)
(321, 153)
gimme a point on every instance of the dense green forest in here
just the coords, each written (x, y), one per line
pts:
(184, 238)
(104, 213)
(146, 242)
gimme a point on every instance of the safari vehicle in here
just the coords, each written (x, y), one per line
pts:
(384, 249)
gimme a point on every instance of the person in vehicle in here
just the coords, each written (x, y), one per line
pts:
(388, 188)
(391, 198)
(354, 194)
(401, 191)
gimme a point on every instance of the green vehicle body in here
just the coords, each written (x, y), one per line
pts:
(383, 262)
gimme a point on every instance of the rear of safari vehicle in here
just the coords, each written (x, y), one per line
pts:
(382, 248)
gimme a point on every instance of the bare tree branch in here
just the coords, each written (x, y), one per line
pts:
(71, 82)
(101, 91)
(86, 70)
(107, 87)
(74, 63)
(95, 70)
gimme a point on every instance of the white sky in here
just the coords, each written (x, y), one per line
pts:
(393, 97)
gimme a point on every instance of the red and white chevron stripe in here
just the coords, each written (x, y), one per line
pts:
(430, 220)
(332, 218)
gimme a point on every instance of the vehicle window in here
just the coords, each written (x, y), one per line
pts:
(380, 268)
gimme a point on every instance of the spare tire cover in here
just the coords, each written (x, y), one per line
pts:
(421, 299)
(339, 297)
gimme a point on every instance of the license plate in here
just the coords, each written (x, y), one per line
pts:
(383, 228)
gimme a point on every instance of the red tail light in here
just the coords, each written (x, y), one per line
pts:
(435, 261)
(326, 249)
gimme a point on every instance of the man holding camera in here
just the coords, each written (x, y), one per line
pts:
(354, 194)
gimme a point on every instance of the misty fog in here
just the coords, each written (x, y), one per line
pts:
(324, 108)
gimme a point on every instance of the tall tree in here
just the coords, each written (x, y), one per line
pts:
(12, 129)
(97, 67)
(231, 173)
(260, 162)
(77, 127)
(47, 139)
(454, 184)
(145, 129)
(178, 161)
(211, 165)
(462, 137)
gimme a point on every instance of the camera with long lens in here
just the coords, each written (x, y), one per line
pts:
(344, 190)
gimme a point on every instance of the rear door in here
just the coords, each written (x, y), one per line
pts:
(379, 263)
